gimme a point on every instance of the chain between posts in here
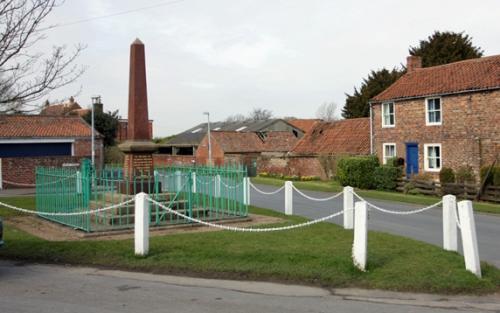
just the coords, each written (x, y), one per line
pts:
(264, 192)
(398, 212)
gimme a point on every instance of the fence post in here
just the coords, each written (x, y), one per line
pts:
(178, 181)
(78, 182)
(217, 186)
(360, 246)
(450, 223)
(469, 237)
(348, 208)
(141, 224)
(246, 190)
(193, 178)
(288, 198)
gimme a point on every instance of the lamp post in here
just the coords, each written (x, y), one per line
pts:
(209, 144)
(95, 100)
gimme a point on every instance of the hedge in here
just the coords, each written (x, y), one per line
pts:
(385, 177)
(357, 171)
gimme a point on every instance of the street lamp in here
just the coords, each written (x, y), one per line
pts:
(95, 100)
(208, 132)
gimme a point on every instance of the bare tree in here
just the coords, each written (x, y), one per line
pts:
(27, 77)
(326, 112)
(258, 114)
(236, 118)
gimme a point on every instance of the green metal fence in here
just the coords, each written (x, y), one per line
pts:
(202, 192)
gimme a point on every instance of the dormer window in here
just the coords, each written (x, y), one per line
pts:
(388, 116)
(433, 114)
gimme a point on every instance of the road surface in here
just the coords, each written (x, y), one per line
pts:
(51, 289)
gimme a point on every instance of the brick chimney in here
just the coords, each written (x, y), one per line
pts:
(412, 63)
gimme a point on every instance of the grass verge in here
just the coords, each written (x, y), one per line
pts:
(316, 255)
(333, 186)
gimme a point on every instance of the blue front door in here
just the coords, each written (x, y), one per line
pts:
(411, 159)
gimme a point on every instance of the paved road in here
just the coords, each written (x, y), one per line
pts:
(426, 226)
(50, 289)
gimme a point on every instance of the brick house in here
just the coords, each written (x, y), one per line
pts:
(316, 153)
(28, 141)
(441, 116)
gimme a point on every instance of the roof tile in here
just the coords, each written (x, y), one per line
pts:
(42, 126)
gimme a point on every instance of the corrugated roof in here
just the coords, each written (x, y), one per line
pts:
(468, 75)
(42, 126)
(350, 136)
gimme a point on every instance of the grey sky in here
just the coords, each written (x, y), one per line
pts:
(229, 56)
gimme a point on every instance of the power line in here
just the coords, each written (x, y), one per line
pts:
(165, 3)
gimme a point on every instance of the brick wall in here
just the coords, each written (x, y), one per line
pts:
(201, 154)
(22, 170)
(168, 159)
(293, 165)
(137, 163)
(469, 133)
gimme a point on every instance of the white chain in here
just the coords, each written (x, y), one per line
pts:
(317, 199)
(267, 193)
(398, 212)
(205, 183)
(67, 213)
(242, 229)
(230, 187)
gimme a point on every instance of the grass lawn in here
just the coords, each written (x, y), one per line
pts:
(333, 186)
(317, 255)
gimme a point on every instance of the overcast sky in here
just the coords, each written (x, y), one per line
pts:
(229, 56)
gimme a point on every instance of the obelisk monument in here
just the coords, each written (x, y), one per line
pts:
(138, 147)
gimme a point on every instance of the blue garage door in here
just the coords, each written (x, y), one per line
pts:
(34, 149)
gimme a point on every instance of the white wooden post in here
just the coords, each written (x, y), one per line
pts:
(450, 223)
(217, 186)
(469, 237)
(246, 190)
(178, 181)
(360, 245)
(78, 182)
(288, 198)
(141, 224)
(348, 208)
(193, 178)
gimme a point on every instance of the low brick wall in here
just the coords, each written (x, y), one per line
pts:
(168, 159)
(22, 170)
(292, 165)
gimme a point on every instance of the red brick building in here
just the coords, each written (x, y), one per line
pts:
(316, 153)
(441, 116)
(28, 141)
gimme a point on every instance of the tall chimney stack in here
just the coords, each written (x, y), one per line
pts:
(412, 63)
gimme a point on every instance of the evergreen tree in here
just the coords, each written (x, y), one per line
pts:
(356, 105)
(105, 123)
(445, 47)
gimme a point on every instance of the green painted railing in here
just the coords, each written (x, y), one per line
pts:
(202, 192)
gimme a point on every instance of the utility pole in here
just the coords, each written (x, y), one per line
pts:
(95, 100)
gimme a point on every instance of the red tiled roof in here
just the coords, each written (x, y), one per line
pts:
(305, 124)
(42, 126)
(351, 136)
(468, 75)
(61, 108)
(279, 141)
(233, 142)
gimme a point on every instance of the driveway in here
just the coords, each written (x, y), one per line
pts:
(425, 226)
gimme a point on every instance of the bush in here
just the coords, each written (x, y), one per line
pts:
(385, 177)
(423, 177)
(493, 176)
(395, 162)
(357, 171)
(309, 178)
(113, 155)
(446, 175)
(465, 175)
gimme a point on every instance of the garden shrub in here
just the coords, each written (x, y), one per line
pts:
(446, 175)
(493, 176)
(357, 171)
(422, 177)
(385, 177)
(465, 175)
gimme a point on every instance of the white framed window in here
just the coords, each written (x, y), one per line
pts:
(388, 151)
(433, 111)
(433, 157)
(388, 114)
